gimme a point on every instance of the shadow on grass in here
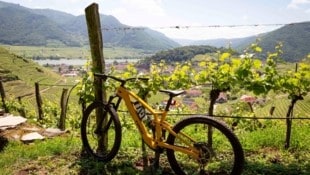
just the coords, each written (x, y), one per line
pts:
(126, 166)
(90, 166)
(3, 143)
(276, 168)
(122, 164)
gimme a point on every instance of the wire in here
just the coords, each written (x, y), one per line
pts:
(235, 117)
(63, 85)
(200, 26)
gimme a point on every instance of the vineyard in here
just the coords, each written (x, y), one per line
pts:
(273, 84)
(257, 100)
(220, 71)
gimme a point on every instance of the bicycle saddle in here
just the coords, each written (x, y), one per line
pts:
(172, 93)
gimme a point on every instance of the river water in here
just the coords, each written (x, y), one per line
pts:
(79, 62)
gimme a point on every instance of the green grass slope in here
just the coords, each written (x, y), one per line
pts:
(19, 74)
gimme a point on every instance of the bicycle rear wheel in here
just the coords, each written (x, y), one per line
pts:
(101, 136)
(223, 155)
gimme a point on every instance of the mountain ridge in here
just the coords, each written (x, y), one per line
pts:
(295, 38)
(26, 26)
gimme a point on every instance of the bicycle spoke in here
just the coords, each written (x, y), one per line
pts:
(101, 137)
(216, 158)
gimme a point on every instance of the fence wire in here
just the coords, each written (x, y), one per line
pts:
(193, 26)
(227, 116)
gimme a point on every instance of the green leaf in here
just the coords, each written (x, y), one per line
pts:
(224, 56)
(258, 49)
(257, 63)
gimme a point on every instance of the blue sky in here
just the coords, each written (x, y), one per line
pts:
(161, 15)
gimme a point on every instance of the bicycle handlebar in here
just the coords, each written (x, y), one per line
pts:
(122, 81)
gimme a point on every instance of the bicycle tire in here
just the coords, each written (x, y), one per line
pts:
(92, 140)
(216, 158)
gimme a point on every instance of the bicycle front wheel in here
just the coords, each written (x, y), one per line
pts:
(220, 151)
(101, 131)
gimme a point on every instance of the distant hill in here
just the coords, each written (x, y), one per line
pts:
(184, 53)
(236, 43)
(24, 26)
(295, 38)
(145, 39)
(20, 27)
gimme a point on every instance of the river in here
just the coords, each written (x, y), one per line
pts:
(78, 62)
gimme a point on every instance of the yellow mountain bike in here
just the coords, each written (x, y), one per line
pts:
(190, 148)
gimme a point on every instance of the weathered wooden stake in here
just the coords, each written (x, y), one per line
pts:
(39, 101)
(22, 109)
(96, 48)
(214, 94)
(2, 93)
(63, 105)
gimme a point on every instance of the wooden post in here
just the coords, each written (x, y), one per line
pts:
(143, 94)
(39, 101)
(2, 93)
(22, 109)
(214, 94)
(63, 105)
(96, 48)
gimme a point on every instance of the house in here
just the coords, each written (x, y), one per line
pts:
(194, 93)
(222, 98)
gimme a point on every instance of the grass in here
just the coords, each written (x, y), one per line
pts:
(49, 154)
(263, 148)
(265, 153)
(27, 73)
(280, 102)
(74, 52)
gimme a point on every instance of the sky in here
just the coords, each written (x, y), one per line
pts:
(196, 19)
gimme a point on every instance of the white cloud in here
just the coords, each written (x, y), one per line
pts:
(297, 3)
(245, 17)
(152, 7)
(139, 12)
(202, 33)
(118, 11)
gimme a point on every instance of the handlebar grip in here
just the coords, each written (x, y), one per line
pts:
(142, 79)
(104, 77)
(100, 75)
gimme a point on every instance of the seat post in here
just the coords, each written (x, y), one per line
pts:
(169, 102)
(171, 94)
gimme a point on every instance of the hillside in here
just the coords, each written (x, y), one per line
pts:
(20, 74)
(295, 38)
(182, 53)
(114, 34)
(26, 26)
(221, 42)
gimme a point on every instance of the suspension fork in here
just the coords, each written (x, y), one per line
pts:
(99, 130)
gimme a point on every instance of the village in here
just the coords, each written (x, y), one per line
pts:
(188, 99)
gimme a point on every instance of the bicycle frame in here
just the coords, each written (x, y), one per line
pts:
(188, 147)
(159, 122)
